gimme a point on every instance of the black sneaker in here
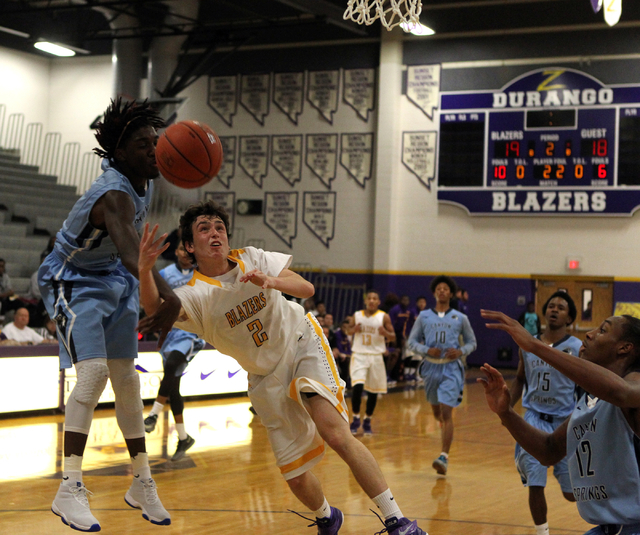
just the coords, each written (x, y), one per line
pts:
(150, 423)
(183, 446)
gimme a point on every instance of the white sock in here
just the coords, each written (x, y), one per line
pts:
(387, 505)
(72, 470)
(542, 529)
(182, 433)
(157, 408)
(324, 511)
(140, 465)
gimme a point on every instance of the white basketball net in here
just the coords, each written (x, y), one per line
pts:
(390, 12)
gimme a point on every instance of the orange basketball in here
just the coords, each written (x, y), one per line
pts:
(189, 154)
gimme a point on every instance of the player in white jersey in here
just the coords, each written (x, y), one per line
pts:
(368, 372)
(235, 303)
(601, 438)
(549, 398)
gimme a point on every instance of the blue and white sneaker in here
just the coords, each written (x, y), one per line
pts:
(72, 506)
(143, 494)
(441, 464)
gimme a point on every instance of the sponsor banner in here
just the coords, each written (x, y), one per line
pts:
(544, 201)
(210, 372)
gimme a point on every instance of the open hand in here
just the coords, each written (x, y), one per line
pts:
(520, 335)
(150, 248)
(495, 389)
(257, 277)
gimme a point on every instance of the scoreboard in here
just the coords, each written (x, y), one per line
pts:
(553, 141)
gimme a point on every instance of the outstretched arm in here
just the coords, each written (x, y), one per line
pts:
(515, 391)
(287, 282)
(598, 381)
(547, 448)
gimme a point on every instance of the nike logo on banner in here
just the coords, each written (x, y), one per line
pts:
(230, 374)
(203, 376)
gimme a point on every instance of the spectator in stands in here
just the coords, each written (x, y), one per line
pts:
(173, 239)
(49, 330)
(18, 330)
(389, 302)
(402, 317)
(6, 291)
(328, 321)
(341, 348)
(321, 311)
(421, 304)
(309, 306)
(327, 328)
(32, 301)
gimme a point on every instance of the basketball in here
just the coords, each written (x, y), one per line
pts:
(189, 154)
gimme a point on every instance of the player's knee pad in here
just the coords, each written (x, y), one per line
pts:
(92, 377)
(128, 393)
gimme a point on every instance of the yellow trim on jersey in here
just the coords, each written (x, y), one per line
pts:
(309, 456)
(234, 257)
(327, 351)
(199, 276)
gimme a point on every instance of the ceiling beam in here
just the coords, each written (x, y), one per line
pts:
(332, 13)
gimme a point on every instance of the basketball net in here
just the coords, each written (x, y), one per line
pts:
(390, 12)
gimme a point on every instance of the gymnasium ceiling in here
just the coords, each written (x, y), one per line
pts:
(230, 24)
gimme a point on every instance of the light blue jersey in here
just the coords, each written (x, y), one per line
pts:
(86, 289)
(178, 340)
(547, 391)
(89, 248)
(443, 378)
(604, 457)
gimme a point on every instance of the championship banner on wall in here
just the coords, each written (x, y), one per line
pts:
(254, 95)
(322, 156)
(359, 88)
(423, 87)
(356, 156)
(319, 214)
(227, 200)
(286, 157)
(322, 92)
(228, 168)
(253, 157)
(223, 97)
(419, 155)
(288, 93)
(281, 215)
(553, 141)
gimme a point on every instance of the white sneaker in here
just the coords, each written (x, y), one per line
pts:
(143, 494)
(72, 506)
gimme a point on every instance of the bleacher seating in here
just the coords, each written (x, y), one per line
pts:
(32, 207)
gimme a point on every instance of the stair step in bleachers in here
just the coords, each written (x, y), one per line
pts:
(23, 242)
(18, 204)
(51, 224)
(14, 230)
(24, 171)
(20, 186)
(32, 211)
(20, 262)
(20, 285)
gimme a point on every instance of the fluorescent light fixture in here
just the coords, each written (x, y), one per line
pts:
(54, 49)
(416, 28)
(14, 32)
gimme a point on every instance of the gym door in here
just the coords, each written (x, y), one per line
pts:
(593, 297)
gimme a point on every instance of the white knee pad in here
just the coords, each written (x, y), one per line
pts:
(92, 377)
(125, 381)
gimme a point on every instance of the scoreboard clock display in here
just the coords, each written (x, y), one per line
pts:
(554, 141)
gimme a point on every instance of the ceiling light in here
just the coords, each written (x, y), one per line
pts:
(54, 49)
(416, 28)
(14, 32)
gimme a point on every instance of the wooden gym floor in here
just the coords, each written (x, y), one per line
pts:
(228, 483)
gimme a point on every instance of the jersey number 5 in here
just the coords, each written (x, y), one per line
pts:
(257, 330)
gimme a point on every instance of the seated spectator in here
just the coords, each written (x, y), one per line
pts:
(18, 330)
(321, 311)
(173, 239)
(7, 299)
(49, 332)
(309, 306)
(328, 321)
(32, 301)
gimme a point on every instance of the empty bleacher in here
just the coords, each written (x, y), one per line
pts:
(32, 208)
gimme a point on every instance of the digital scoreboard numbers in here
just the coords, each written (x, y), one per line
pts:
(554, 141)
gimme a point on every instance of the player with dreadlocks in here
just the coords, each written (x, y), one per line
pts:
(89, 285)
